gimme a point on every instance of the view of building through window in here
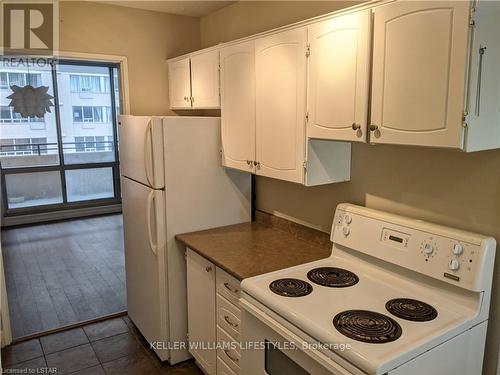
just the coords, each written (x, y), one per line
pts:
(81, 133)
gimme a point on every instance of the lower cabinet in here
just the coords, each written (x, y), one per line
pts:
(213, 316)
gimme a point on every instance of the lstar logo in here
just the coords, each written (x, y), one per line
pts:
(29, 28)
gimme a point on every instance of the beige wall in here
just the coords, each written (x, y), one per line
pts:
(146, 38)
(447, 187)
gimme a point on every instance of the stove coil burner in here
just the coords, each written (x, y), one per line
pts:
(332, 277)
(367, 326)
(411, 309)
(291, 287)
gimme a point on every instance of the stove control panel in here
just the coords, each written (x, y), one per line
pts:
(456, 257)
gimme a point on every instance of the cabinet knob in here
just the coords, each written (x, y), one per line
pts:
(373, 127)
(257, 164)
(249, 162)
(186, 99)
(208, 268)
(355, 126)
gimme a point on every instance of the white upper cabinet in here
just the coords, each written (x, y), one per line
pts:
(237, 80)
(280, 65)
(194, 81)
(338, 77)
(179, 82)
(205, 80)
(420, 52)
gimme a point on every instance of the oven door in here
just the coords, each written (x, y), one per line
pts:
(268, 348)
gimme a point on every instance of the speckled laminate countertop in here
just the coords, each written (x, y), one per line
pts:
(251, 249)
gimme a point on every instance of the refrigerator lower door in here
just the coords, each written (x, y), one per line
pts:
(144, 229)
(141, 149)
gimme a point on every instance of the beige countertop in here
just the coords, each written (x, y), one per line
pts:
(251, 249)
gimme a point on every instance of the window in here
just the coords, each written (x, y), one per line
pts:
(79, 144)
(97, 84)
(92, 114)
(4, 82)
(20, 79)
(8, 116)
(23, 146)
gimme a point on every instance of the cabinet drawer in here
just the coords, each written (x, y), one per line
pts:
(227, 286)
(228, 317)
(223, 369)
(228, 350)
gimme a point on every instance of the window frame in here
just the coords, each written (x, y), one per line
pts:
(62, 167)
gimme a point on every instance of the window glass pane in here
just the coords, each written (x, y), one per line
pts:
(14, 127)
(77, 114)
(98, 114)
(80, 144)
(18, 79)
(3, 80)
(87, 184)
(33, 189)
(86, 113)
(74, 83)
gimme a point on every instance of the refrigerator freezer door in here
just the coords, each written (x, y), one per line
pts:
(141, 149)
(144, 228)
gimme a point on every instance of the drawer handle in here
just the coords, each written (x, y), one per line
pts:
(228, 321)
(230, 288)
(230, 356)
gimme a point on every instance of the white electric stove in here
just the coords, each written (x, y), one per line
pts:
(397, 296)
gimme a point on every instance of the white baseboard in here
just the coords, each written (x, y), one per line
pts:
(60, 215)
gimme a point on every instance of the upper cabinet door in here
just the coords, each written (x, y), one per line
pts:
(205, 80)
(179, 82)
(419, 72)
(339, 65)
(238, 106)
(280, 104)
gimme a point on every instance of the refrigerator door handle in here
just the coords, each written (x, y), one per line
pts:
(147, 154)
(149, 203)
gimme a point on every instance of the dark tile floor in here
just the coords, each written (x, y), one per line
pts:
(112, 346)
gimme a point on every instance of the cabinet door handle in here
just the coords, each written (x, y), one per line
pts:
(234, 359)
(230, 288)
(186, 99)
(355, 126)
(373, 127)
(249, 162)
(479, 79)
(208, 268)
(228, 321)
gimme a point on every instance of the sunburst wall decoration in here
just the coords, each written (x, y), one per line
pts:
(30, 101)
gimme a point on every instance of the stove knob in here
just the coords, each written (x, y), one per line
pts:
(428, 248)
(458, 249)
(454, 264)
(348, 219)
(346, 231)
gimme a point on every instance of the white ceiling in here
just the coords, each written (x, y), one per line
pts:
(185, 8)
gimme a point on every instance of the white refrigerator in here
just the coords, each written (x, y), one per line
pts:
(172, 182)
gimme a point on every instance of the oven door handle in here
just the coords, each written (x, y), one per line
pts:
(293, 338)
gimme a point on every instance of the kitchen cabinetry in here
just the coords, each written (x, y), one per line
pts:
(201, 310)
(263, 113)
(338, 77)
(179, 80)
(280, 65)
(194, 81)
(237, 80)
(422, 59)
(213, 315)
